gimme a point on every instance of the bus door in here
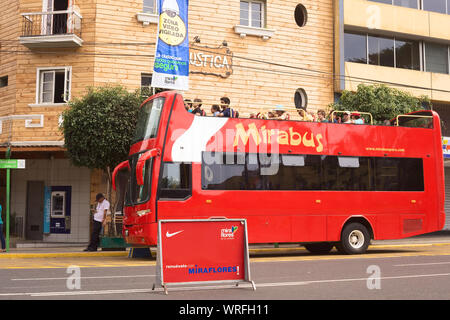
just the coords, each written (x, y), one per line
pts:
(175, 189)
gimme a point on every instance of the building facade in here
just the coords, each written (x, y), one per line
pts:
(258, 53)
(402, 43)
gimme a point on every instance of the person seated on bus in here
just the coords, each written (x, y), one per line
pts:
(321, 116)
(346, 117)
(252, 115)
(188, 104)
(279, 113)
(215, 110)
(197, 108)
(334, 117)
(301, 113)
(261, 115)
(311, 116)
(356, 118)
(386, 122)
(227, 111)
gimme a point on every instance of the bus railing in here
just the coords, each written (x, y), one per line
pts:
(410, 116)
(350, 112)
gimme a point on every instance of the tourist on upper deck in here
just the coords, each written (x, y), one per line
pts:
(279, 113)
(215, 110)
(188, 104)
(356, 118)
(311, 116)
(321, 116)
(197, 108)
(226, 110)
(333, 117)
(346, 117)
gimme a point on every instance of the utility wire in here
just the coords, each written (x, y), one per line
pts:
(313, 74)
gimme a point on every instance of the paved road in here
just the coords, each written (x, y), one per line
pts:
(412, 271)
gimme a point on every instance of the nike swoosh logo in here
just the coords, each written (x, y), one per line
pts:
(170, 235)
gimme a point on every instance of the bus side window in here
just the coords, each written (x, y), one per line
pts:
(176, 181)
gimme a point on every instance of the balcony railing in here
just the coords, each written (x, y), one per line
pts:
(51, 29)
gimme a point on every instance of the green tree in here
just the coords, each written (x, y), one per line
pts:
(383, 102)
(98, 128)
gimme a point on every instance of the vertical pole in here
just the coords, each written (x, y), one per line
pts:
(8, 171)
(8, 177)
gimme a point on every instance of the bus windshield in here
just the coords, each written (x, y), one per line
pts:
(148, 120)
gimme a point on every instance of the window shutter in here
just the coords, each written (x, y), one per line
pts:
(67, 85)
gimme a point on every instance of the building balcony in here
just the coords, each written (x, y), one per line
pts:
(55, 29)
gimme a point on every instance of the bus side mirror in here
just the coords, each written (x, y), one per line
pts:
(141, 163)
(121, 166)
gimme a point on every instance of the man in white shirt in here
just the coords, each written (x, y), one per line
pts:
(99, 221)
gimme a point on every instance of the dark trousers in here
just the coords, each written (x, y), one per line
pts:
(95, 237)
(2, 238)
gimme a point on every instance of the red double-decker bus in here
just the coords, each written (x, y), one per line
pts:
(317, 184)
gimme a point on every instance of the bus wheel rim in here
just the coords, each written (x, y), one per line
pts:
(356, 239)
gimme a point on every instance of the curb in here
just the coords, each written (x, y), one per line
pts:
(261, 251)
(63, 255)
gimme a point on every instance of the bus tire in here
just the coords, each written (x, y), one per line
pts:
(355, 239)
(319, 247)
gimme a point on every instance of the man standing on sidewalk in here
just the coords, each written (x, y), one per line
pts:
(99, 221)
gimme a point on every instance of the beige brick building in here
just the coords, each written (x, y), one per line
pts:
(258, 53)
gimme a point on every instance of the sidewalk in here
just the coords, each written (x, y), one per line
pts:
(440, 237)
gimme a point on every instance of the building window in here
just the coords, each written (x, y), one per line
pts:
(252, 14)
(149, 6)
(355, 47)
(381, 51)
(402, 3)
(300, 99)
(439, 6)
(407, 54)
(54, 85)
(301, 15)
(3, 81)
(146, 85)
(436, 58)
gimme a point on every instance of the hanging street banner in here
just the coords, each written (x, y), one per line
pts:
(171, 67)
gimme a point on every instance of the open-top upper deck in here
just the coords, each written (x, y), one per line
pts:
(183, 136)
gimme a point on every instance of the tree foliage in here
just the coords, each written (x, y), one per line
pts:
(383, 102)
(98, 127)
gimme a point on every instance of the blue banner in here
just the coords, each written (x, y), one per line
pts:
(47, 205)
(171, 67)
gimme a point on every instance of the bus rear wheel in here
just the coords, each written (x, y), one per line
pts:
(355, 239)
(319, 247)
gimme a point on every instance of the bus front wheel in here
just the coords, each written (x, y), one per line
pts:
(319, 247)
(355, 239)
